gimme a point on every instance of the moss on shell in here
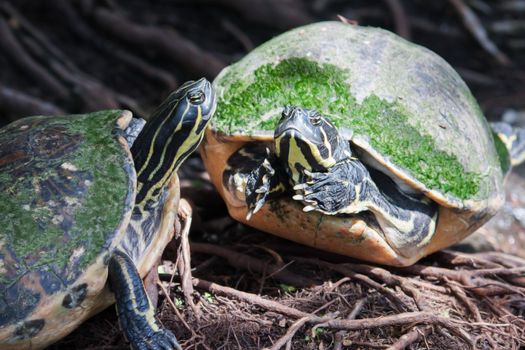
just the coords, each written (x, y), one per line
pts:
(61, 211)
(255, 104)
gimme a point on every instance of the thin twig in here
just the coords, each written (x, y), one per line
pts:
(246, 262)
(401, 22)
(410, 338)
(184, 263)
(19, 103)
(474, 25)
(164, 41)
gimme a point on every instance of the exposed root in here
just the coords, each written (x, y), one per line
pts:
(20, 103)
(250, 263)
(474, 25)
(410, 338)
(165, 41)
(401, 22)
(82, 29)
(184, 256)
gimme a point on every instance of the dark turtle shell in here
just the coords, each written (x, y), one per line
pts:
(67, 187)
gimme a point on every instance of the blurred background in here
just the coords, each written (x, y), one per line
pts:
(72, 56)
(76, 56)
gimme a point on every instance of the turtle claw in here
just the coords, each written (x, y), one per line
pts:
(259, 187)
(254, 209)
(309, 208)
(298, 197)
(260, 190)
(300, 187)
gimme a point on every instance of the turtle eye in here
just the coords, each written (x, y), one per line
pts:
(315, 119)
(197, 97)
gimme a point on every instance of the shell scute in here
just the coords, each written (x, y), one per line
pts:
(66, 191)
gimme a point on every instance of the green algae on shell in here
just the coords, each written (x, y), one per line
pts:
(67, 183)
(401, 100)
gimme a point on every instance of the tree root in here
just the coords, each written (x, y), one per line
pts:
(250, 263)
(410, 338)
(166, 41)
(18, 55)
(474, 25)
(281, 14)
(53, 69)
(401, 319)
(81, 28)
(20, 103)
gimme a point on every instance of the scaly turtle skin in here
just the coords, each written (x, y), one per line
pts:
(412, 168)
(85, 216)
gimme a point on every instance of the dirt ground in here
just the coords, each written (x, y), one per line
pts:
(251, 290)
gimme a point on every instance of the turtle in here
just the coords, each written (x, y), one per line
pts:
(88, 204)
(353, 140)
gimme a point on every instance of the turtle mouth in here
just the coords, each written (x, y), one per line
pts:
(282, 130)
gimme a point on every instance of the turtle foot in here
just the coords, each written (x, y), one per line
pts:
(258, 188)
(162, 339)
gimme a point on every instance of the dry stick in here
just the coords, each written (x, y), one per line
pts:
(468, 277)
(281, 14)
(287, 338)
(345, 270)
(237, 33)
(78, 25)
(174, 307)
(20, 104)
(457, 258)
(401, 22)
(406, 318)
(165, 41)
(184, 264)
(339, 336)
(502, 259)
(410, 338)
(243, 261)
(18, 55)
(248, 297)
(391, 280)
(37, 34)
(462, 296)
(401, 319)
(474, 25)
(290, 332)
(94, 94)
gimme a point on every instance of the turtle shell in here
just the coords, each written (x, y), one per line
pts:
(406, 111)
(67, 187)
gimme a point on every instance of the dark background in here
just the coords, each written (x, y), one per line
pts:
(78, 56)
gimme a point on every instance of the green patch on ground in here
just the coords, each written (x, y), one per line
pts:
(252, 105)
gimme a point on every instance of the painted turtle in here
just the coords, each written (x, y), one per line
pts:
(387, 151)
(88, 204)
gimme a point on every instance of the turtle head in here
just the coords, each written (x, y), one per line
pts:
(188, 111)
(172, 133)
(305, 139)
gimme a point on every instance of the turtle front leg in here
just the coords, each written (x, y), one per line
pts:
(335, 191)
(252, 176)
(135, 311)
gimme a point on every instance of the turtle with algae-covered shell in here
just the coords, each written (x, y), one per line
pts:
(382, 153)
(88, 204)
